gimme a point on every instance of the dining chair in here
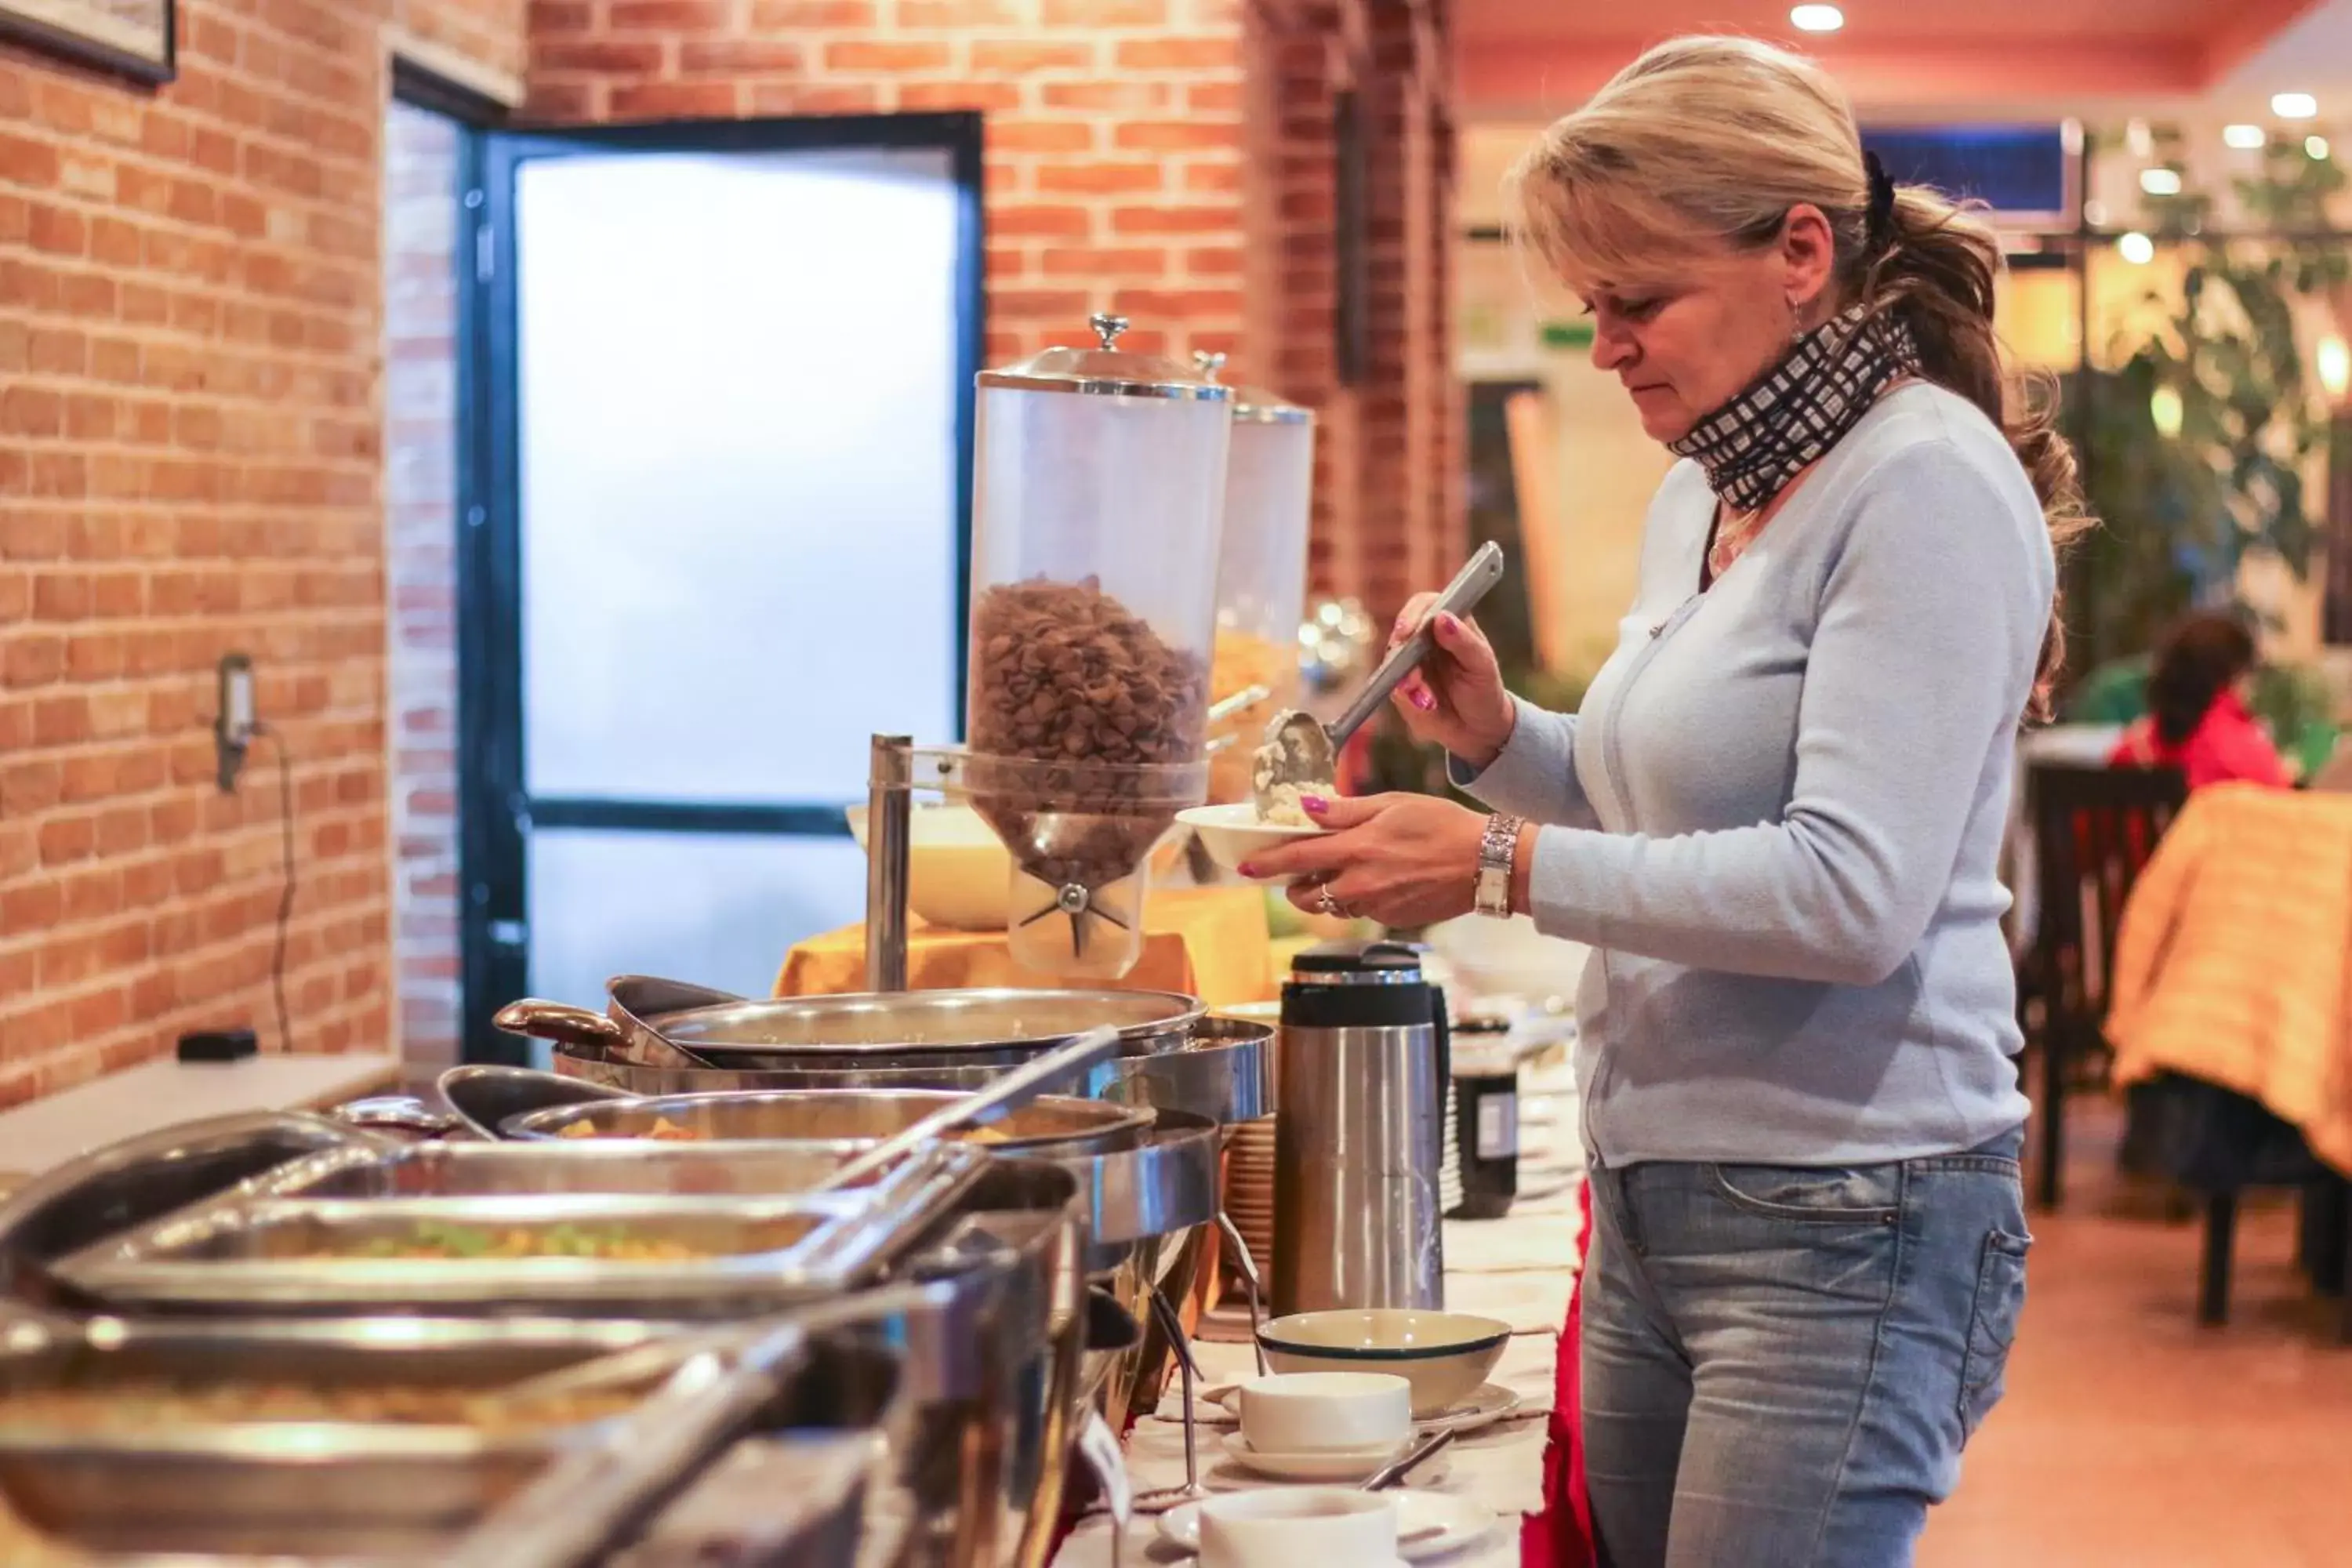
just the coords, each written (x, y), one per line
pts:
(2094, 827)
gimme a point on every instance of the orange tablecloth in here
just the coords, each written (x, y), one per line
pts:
(1209, 943)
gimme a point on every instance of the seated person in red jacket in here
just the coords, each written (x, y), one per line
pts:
(2198, 720)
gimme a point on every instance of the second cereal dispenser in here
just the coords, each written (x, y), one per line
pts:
(1098, 489)
(1261, 577)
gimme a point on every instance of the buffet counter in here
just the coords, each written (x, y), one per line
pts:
(1520, 1268)
(49, 1132)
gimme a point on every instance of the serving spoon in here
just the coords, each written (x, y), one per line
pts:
(1303, 752)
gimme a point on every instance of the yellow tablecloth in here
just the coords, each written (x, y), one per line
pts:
(1209, 943)
(2234, 961)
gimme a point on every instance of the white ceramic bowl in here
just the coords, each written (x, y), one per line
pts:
(1443, 1356)
(1284, 1527)
(1323, 1411)
(1233, 834)
(959, 875)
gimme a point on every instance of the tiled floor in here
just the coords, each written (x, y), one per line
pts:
(2132, 1438)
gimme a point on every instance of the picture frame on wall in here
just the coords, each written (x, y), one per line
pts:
(133, 38)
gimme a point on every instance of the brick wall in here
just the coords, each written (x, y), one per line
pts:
(420, 237)
(1388, 511)
(190, 462)
(1114, 169)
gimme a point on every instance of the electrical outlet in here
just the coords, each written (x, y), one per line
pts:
(233, 718)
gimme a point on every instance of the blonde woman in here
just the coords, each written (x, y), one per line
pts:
(1776, 819)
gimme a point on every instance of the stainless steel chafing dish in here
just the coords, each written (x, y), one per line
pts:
(121, 1491)
(1219, 1068)
(571, 1252)
(1051, 1127)
(985, 1308)
(650, 1022)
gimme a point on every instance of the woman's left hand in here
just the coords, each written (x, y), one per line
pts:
(1405, 860)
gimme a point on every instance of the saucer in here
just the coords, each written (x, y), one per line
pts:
(1489, 1403)
(1329, 1465)
(1211, 1406)
(1454, 1523)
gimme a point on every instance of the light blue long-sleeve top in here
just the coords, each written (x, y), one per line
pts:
(1777, 816)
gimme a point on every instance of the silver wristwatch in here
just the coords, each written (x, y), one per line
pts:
(1496, 851)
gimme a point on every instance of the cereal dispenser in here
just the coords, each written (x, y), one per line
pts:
(1261, 576)
(1099, 483)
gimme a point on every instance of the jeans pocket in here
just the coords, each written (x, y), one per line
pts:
(1992, 1326)
(1864, 1194)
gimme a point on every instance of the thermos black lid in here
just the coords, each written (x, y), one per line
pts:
(1358, 985)
(1334, 963)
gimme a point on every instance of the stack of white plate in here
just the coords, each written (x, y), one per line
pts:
(1249, 1192)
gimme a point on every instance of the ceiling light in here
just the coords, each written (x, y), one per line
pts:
(2136, 249)
(2139, 139)
(1816, 18)
(2317, 146)
(2165, 411)
(2294, 105)
(2335, 365)
(2094, 213)
(2160, 182)
(2245, 138)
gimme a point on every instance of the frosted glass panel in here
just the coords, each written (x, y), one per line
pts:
(738, 386)
(717, 910)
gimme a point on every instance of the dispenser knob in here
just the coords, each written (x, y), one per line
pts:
(1108, 327)
(1208, 362)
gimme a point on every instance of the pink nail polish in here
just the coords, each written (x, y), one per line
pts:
(1313, 804)
(1247, 869)
(1424, 702)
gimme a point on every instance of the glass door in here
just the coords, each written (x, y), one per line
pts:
(719, 402)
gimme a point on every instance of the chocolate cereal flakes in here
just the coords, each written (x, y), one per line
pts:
(1070, 682)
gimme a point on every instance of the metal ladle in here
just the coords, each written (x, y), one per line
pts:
(1302, 752)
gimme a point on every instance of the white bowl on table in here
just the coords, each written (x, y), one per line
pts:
(1324, 1412)
(1444, 1357)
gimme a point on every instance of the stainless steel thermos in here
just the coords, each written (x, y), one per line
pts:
(1360, 1138)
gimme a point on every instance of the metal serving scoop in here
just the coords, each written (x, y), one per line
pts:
(1299, 752)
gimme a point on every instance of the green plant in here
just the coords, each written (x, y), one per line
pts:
(2195, 447)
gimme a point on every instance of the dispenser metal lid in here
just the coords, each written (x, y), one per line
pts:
(1105, 371)
(1253, 405)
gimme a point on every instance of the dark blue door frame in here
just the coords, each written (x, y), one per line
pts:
(496, 809)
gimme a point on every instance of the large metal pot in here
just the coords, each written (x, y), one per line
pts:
(1050, 1127)
(651, 1021)
(1222, 1068)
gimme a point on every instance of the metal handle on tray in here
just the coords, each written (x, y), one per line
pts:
(1014, 1089)
(560, 1022)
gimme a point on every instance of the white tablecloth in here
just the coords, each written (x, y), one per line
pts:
(1519, 1268)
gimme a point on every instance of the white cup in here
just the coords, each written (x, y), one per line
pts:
(1282, 1527)
(1324, 1412)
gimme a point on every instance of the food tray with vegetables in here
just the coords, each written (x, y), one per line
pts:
(560, 1251)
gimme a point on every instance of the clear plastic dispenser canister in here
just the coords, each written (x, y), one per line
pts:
(1261, 574)
(1098, 490)
(1358, 1135)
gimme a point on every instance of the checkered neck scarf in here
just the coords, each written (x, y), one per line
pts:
(1755, 444)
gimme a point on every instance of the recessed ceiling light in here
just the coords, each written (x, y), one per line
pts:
(2136, 249)
(2335, 365)
(2160, 182)
(1816, 18)
(2245, 138)
(2294, 105)
(2317, 147)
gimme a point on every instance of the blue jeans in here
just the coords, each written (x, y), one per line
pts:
(1783, 1363)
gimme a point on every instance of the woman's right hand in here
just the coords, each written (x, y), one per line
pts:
(1456, 700)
